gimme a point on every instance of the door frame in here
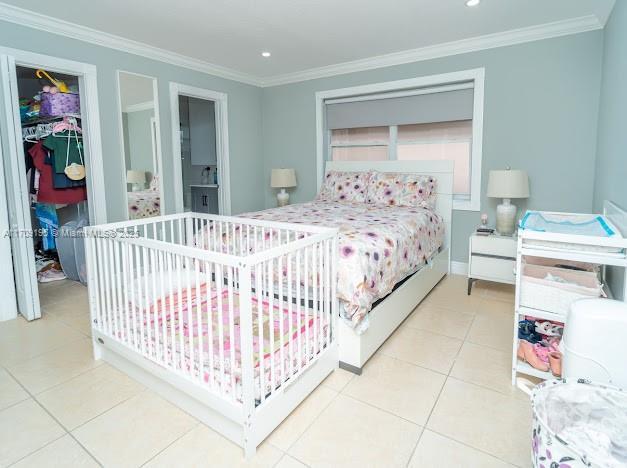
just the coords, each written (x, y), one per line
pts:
(222, 142)
(90, 113)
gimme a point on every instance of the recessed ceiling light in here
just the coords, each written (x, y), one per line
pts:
(266, 54)
(472, 3)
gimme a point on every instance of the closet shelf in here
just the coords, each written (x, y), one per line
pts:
(43, 120)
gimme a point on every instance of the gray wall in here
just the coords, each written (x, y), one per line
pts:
(611, 162)
(541, 107)
(244, 114)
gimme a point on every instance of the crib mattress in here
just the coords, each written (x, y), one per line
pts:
(176, 335)
(379, 246)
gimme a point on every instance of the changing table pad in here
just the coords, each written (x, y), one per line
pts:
(594, 225)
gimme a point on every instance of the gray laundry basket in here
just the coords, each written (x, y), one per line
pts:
(79, 254)
(71, 249)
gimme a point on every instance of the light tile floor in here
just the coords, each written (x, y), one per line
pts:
(437, 394)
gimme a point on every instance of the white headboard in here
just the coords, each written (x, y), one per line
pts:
(441, 171)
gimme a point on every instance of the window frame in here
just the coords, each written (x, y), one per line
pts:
(477, 76)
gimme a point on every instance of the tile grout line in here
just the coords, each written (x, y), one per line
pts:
(472, 447)
(55, 420)
(198, 423)
(313, 421)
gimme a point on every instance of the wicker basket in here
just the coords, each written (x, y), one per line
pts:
(537, 292)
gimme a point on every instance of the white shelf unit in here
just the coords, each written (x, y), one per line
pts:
(580, 249)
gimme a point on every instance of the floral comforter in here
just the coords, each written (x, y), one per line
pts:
(143, 204)
(379, 246)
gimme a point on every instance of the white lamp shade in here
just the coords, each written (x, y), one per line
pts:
(283, 178)
(135, 177)
(508, 184)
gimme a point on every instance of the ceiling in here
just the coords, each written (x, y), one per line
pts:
(308, 34)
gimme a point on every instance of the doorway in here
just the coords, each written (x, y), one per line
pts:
(52, 171)
(200, 146)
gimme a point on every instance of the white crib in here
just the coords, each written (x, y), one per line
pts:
(237, 333)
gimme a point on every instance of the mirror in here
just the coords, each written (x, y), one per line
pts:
(141, 141)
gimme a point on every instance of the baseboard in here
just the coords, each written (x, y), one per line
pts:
(459, 268)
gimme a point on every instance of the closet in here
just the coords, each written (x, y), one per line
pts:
(54, 176)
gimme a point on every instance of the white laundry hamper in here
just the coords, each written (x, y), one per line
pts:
(594, 345)
(578, 424)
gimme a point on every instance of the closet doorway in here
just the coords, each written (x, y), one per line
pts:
(52, 173)
(200, 143)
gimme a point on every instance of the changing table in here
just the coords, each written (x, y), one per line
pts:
(597, 246)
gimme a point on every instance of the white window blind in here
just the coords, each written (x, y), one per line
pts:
(430, 106)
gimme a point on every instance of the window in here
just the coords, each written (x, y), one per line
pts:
(360, 144)
(443, 140)
(412, 142)
(428, 118)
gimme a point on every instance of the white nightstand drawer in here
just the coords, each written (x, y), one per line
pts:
(494, 245)
(497, 269)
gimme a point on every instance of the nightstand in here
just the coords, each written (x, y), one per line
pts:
(491, 258)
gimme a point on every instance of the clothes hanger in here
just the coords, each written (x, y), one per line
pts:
(68, 123)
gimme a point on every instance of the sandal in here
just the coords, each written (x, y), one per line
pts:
(527, 354)
(542, 352)
(555, 362)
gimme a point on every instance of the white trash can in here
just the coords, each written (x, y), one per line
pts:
(594, 344)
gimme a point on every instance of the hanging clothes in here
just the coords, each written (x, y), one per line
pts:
(68, 149)
(49, 223)
(47, 192)
(62, 181)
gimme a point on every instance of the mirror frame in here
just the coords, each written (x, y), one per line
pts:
(157, 137)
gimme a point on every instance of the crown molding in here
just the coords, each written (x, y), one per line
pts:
(474, 44)
(42, 22)
(45, 23)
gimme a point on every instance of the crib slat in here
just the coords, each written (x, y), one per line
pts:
(126, 262)
(259, 350)
(270, 279)
(219, 276)
(199, 312)
(231, 328)
(210, 331)
(299, 312)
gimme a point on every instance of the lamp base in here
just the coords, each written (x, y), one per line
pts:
(282, 198)
(136, 187)
(506, 218)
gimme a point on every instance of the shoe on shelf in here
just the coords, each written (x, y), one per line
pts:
(555, 361)
(527, 353)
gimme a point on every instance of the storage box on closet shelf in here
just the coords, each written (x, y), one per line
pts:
(553, 285)
(59, 99)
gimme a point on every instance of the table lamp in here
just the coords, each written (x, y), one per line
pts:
(283, 178)
(137, 178)
(507, 184)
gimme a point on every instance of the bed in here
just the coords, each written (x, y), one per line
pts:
(143, 204)
(395, 302)
(389, 256)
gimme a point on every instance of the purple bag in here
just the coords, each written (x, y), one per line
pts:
(53, 105)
